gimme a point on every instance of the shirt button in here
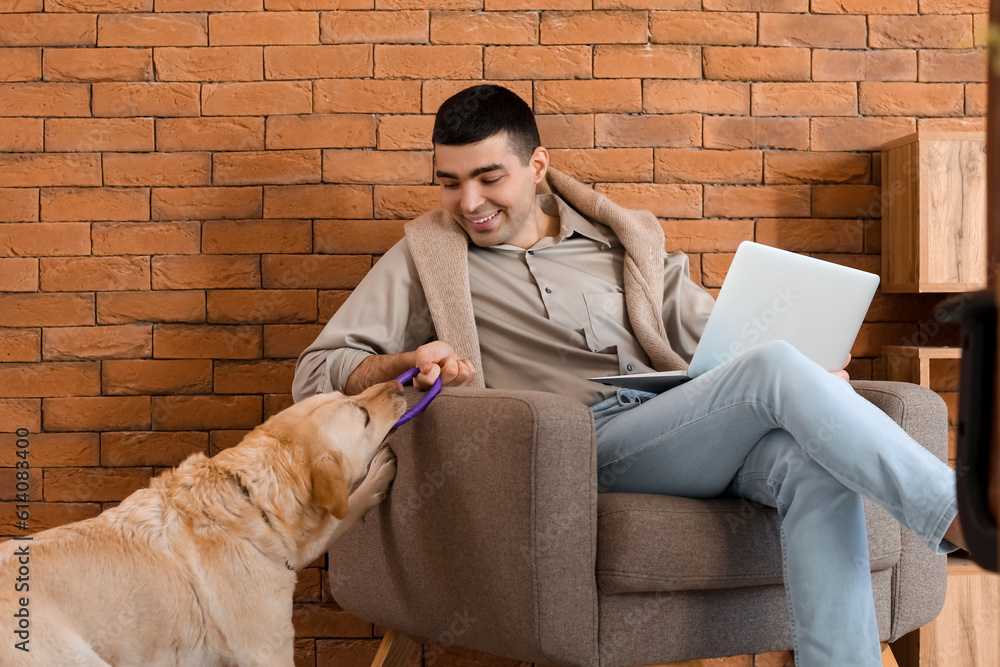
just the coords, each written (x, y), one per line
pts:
(548, 290)
(531, 252)
(630, 367)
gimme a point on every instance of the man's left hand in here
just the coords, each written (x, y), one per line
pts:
(843, 373)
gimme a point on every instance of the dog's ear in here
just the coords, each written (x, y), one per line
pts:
(330, 488)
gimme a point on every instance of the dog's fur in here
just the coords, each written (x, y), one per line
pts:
(199, 568)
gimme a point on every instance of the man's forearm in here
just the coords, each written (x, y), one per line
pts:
(379, 368)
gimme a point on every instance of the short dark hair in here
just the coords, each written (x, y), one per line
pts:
(480, 112)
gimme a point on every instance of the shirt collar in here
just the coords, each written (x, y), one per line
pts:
(570, 220)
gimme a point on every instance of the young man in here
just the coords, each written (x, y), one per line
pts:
(511, 289)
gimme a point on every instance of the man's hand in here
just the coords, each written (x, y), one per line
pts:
(843, 373)
(437, 358)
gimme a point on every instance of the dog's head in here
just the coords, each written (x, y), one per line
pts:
(339, 435)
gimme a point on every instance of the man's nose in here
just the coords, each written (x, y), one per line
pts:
(472, 198)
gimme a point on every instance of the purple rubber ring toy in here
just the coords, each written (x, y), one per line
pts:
(423, 402)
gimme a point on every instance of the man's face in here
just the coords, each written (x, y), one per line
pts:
(490, 193)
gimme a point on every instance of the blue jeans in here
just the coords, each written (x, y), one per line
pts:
(774, 427)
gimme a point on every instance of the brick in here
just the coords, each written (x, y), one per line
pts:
(672, 5)
(980, 29)
(147, 99)
(96, 413)
(80, 274)
(39, 239)
(947, 65)
(714, 267)
(23, 64)
(514, 5)
(330, 302)
(701, 28)
(37, 29)
(313, 271)
(186, 413)
(205, 203)
(256, 236)
(149, 448)
(21, 6)
(126, 307)
(813, 30)
(99, 6)
(341, 651)
(707, 166)
(21, 345)
(58, 204)
(605, 164)
(180, 341)
(373, 27)
(885, 65)
(18, 274)
(799, 235)
(566, 131)
(261, 306)
(254, 377)
(405, 202)
(18, 205)
(322, 620)
(282, 5)
(663, 200)
(209, 5)
(213, 63)
(804, 99)
(356, 237)
(597, 96)
(359, 166)
(44, 99)
(975, 99)
(264, 28)
(94, 484)
(224, 439)
(673, 131)
(50, 379)
(54, 449)
(809, 167)
(145, 238)
(428, 4)
(320, 131)
(156, 376)
(164, 169)
(256, 98)
(757, 200)
(757, 5)
(484, 28)
(210, 134)
(754, 63)
(858, 134)
(706, 235)
(158, 29)
(710, 97)
(435, 92)
(647, 61)
(287, 341)
(846, 201)
(18, 413)
(278, 167)
(920, 32)
(317, 201)
(864, 6)
(737, 132)
(99, 134)
(541, 62)
(102, 342)
(594, 27)
(354, 96)
(953, 6)
(910, 99)
(21, 134)
(48, 515)
(318, 62)
(98, 64)
(406, 61)
(205, 271)
(397, 133)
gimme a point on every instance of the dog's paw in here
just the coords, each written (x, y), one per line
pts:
(375, 486)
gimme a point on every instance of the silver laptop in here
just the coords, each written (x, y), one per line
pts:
(771, 294)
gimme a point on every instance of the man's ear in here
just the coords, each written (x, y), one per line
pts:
(539, 163)
(329, 485)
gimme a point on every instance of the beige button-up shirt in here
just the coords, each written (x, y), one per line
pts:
(547, 317)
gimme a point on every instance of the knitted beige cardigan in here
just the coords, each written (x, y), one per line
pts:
(439, 247)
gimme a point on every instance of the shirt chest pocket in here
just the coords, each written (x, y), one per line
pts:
(605, 327)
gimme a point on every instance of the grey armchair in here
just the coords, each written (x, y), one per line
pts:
(494, 536)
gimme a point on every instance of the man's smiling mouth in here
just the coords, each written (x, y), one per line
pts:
(482, 221)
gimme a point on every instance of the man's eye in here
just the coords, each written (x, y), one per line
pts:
(449, 186)
(491, 181)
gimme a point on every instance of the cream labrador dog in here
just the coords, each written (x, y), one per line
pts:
(199, 568)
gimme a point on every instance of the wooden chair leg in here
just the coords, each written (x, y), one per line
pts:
(395, 650)
(888, 659)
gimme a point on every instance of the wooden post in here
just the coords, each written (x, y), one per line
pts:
(395, 650)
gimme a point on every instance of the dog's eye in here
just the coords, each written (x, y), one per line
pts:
(368, 417)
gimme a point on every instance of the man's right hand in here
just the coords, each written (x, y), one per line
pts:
(438, 358)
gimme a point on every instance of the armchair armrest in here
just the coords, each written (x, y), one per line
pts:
(488, 536)
(921, 576)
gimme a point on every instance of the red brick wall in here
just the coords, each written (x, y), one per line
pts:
(189, 189)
